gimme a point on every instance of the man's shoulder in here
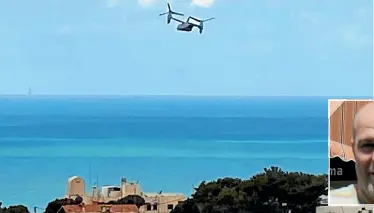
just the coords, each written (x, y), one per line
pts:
(344, 195)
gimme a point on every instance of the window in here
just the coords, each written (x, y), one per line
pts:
(154, 206)
(116, 189)
(149, 207)
(170, 206)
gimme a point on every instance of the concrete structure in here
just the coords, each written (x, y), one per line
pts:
(99, 208)
(163, 202)
(111, 191)
(76, 186)
(155, 202)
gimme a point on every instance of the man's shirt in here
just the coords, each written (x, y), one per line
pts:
(344, 196)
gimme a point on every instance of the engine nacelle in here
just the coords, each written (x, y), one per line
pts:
(201, 27)
(169, 18)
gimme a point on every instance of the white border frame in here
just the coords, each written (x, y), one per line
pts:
(328, 153)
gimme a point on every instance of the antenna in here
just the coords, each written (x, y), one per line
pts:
(97, 179)
(89, 175)
(35, 209)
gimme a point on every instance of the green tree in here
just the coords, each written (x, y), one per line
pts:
(187, 206)
(56, 205)
(17, 209)
(264, 192)
(14, 209)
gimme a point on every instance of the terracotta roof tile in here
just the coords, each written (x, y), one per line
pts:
(72, 209)
(124, 208)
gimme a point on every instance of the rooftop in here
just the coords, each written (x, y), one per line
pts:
(146, 194)
(99, 208)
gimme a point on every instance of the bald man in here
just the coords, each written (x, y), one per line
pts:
(363, 150)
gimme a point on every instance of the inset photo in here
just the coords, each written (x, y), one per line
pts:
(351, 152)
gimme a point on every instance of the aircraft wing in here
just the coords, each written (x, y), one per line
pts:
(177, 20)
(198, 20)
(195, 19)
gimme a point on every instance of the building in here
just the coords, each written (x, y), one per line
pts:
(99, 208)
(155, 202)
(344, 209)
(323, 200)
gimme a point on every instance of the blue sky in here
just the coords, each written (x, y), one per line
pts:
(122, 47)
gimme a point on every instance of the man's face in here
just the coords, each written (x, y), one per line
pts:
(364, 155)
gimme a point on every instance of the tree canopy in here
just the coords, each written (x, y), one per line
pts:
(264, 192)
(55, 205)
(14, 209)
(130, 199)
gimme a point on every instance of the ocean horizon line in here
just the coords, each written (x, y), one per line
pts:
(124, 139)
(176, 96)
(257, 157)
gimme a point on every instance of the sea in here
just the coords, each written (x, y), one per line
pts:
(167, 143)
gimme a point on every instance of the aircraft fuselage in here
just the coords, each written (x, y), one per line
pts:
(185, 27)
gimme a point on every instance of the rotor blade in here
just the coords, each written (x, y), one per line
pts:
(163, 14)
(169, 7)
(175, 13)
(207, 19)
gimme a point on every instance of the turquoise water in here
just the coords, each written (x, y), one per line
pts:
(167, 143)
